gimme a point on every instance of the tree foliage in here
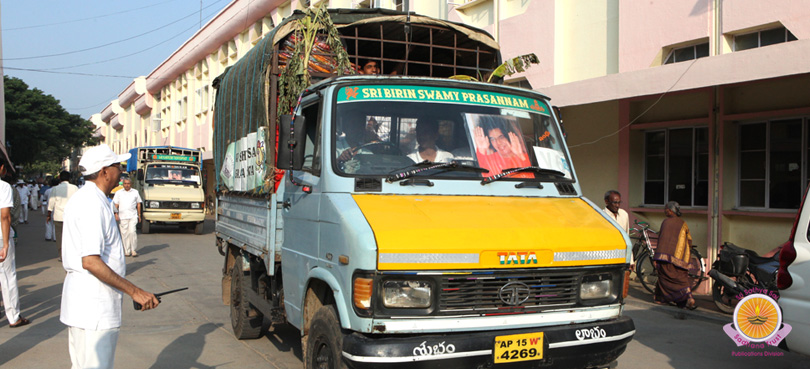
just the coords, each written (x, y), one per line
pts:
(40, 133)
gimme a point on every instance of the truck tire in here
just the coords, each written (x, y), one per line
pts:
(198, 229)
(145, 226)
(324, 347)
(246, 321)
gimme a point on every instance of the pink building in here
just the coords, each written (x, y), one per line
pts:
(705, 102)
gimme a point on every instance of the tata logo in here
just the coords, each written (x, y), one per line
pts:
(514, 293)
(520, 257)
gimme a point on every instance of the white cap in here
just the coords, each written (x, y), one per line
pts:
(99, 157)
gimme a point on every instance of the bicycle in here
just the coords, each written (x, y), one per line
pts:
(644, 250)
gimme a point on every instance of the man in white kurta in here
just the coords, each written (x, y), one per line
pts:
(25, 194)
(93, 258)
(57, 201)
(8, 267)
(128, 202)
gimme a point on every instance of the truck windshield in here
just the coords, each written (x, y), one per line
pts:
(383, 129)
(172, 173)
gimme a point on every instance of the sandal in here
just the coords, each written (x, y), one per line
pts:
(691, 304)
(20, 322)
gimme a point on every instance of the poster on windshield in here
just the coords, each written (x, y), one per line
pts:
(498, 144)
(243, 168)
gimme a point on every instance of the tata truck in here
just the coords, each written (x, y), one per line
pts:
(411, 220)
(169, 182)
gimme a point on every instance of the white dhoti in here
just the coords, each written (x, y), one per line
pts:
(8, 282)
(24, 213)
(128, 235)
(49, 234)
(92, 349)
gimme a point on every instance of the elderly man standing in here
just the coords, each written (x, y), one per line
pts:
(57, 200)
(93, 256)
(128, 202)
(8, 267)
(613, 199)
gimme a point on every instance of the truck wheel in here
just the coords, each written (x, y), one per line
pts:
(246, 321)
(325, 341)
(198, 229)
(145, 226)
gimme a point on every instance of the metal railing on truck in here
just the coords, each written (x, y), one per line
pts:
(247, 91)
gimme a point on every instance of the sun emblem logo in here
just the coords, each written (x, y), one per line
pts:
(757, 318)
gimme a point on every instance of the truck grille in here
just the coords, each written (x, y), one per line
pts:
(507, 292)
(174, 205)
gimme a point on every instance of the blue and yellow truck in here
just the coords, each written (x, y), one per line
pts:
(407, 219)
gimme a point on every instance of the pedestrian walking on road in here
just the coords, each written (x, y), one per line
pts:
(128, 202)
(8, 263)
(672, 260)
(33, 191)
(50, 233)
(56, 206)
(93, 256)
(25, 194)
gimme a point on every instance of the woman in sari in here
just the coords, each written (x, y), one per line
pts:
(672, 260)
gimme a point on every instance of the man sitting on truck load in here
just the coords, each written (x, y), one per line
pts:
(368, 66)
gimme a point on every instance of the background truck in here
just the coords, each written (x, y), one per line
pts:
(409, 220)
(169, 182)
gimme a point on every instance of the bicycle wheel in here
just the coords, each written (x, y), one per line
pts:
(645, 270)
(696, 273)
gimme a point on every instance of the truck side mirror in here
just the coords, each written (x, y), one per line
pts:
(291, 142)
(140, 174)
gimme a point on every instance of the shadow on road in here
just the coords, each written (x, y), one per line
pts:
(208, 228)
(285, 338)
(184, 352)
(29, 337)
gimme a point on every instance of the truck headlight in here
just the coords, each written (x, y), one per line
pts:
(406, 294)
(153, 204)
(596, 286)
(195, 205)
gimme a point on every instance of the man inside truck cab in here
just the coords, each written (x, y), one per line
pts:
(356, 136)
(427, 134)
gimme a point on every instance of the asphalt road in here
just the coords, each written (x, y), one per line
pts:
(191, 329)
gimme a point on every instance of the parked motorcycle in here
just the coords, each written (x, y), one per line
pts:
(738, 270)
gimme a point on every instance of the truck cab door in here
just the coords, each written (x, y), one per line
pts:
(301, 214)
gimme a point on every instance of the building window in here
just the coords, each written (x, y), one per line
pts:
(201, 100)
(181, 110)
(676, 166)
(770, 164)
(762, 38)
(688, 53)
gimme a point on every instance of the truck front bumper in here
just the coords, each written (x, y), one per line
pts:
(165, 217)
(568, 346)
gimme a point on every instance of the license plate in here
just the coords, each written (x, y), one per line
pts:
(518, 347)
(175, 216)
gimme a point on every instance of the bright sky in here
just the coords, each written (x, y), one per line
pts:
(85, 52)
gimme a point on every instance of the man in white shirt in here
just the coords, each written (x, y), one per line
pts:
(93, 256)
(613, 199)
(8, 264)
(56, 206)
(128, 203)
(25, 194)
